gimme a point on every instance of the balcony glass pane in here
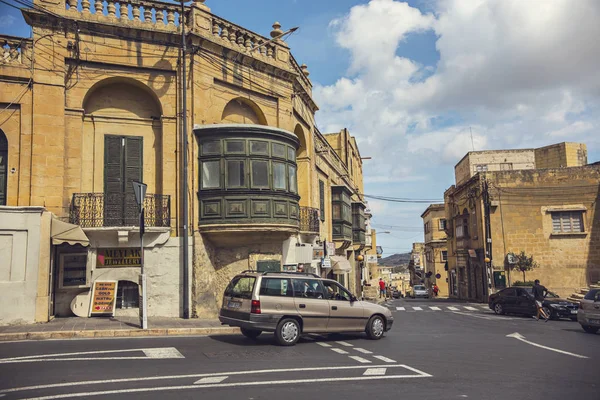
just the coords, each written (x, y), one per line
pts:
(278, 150)
(257, 147)
(291, 154)
(211, 174)
(235, 173)
(260, 174)
(293, 181)
(279, 176)
(336, 211)
(212, 147)
(235, 146)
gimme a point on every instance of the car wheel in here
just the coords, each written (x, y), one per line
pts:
(375, 327)
(287, 332)
(590, 329)
(549, 313)
(498, 309)
(250, 333)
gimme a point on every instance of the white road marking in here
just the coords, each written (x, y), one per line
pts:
(400, 308)
(364, 351)
(237, 384)
(323, 344)
(154, 378)
(164, 352)
(417, 308)
(470, 308)
(345, 344)
(453, 308)
(375, 371)
(520, 337)
(435, 308)
(167, 352)
(210, 379)
(488, 317)
(360, 359)
(385, 359)
(339, 351)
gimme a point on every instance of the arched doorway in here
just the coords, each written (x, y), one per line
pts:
(243, 111)
(127, 295)
(124, 118)
(3, 167)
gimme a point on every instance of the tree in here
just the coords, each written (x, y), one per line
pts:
(523, 263)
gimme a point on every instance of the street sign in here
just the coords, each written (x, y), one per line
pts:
(139, 189)
(326, 262)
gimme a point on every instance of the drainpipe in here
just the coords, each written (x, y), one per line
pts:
(184, 190)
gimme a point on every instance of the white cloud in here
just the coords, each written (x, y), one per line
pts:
(520, 73)
(7, 20)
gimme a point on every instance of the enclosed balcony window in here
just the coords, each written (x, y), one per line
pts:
(279, 176)
(235, 146)
(279, 150)
(260, 174)
(291, 154)
(259, 147)
(293, 179)
(211, 147)
(236, 173)
(211, 174)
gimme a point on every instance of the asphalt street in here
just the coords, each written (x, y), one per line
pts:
(435, 350)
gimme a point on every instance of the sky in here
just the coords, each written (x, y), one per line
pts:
(420, 83)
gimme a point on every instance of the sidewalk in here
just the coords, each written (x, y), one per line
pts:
(75, 327)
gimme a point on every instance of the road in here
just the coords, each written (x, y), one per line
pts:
(436, 350)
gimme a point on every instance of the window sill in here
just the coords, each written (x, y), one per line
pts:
(568, 234)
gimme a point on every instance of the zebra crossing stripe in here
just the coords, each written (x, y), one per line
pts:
(453, 308)
(470, 308)
(417, 308)
(400, 308)
(435, 308)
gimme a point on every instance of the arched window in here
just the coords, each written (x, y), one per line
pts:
(3, 167)
(243, 111)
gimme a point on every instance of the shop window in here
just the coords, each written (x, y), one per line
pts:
(73, 270)
(236, 173)
(260, 174)
(279, 181)
(567, 222)
(211, 174)
(127, 295)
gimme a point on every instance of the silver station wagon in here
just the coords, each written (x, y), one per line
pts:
(290, 304)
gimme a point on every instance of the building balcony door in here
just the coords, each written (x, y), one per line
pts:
(123, 163)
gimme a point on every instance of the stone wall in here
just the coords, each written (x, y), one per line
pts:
(561, 155)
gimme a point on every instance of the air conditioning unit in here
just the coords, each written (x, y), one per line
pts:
(304, 254)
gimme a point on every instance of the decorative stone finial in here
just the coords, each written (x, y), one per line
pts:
(200, 4)
(304, 69)
(276, 30)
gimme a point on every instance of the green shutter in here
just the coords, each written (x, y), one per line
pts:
(113, 173)
(322, 199)
(133, 172)
(3, 167)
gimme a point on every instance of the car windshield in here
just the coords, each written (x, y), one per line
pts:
(592, 294)
(419, 287)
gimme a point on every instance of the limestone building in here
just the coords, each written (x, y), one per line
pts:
(92, 101)
(436, 251)
(549, 211)
(416, 264)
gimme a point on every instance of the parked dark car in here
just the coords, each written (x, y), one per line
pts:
(519, 300)
(396, 294)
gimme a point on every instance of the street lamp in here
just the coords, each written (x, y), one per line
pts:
(139, 189)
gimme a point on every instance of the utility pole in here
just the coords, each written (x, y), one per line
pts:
(488, 238)
(184, 186)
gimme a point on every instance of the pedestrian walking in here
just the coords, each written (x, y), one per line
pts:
(381, 288)
(539, 292)
(436, 289)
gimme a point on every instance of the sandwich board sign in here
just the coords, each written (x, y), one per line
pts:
(104, 299)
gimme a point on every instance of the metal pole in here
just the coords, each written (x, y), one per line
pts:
(184, 190)
(144, 305)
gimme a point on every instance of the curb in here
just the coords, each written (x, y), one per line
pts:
(4, 337)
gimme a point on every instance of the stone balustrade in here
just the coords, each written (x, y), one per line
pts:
(244, 39)
(151, 14)
(14, 50)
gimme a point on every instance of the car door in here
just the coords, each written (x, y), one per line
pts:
(311, 304)
(508, 299)
(345, 315)
(525, 303)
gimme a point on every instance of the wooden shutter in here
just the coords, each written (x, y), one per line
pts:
(132, 172)
(322, 199)
(113, 180)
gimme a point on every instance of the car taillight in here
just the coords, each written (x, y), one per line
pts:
(255, 308)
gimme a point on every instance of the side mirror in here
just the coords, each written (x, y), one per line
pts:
(353, 299)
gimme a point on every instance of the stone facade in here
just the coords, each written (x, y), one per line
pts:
(416, 264)
(551, 214)
(493, 160)
(116, 81)
(436, 251)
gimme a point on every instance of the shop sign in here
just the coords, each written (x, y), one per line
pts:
(119, 258)
(472, 253)
(330, 248)
(318, 253)
(371, 258)
(104, 298)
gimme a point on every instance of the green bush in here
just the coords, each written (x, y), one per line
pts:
(526, 283)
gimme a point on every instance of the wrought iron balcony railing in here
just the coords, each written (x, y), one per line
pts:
(92, 210)
(309, 219)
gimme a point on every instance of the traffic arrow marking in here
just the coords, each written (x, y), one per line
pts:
(520, 337)
(210, 379)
